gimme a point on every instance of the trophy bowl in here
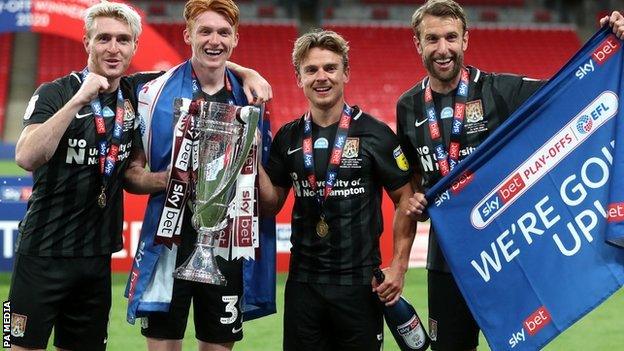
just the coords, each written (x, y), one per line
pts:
(225, 134)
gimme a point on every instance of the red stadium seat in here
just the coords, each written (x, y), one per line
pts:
(380, 13)
(501, 3)
(542, 16)
(157, 9)
(58, 56)
(266, 11)
(328, 13)
(382, 69)
(266, 48)
(489, 15)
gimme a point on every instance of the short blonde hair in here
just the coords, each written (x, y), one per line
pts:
(226, 8)
(116, 10)
(438, 8)
(323, 39)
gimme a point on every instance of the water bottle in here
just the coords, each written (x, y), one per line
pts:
(403, 322)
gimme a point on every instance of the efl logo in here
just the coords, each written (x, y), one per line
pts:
(606, 49)
(537, 320)
(584, 124)
(615, 213)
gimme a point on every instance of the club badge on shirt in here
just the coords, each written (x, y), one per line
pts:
(351, 148)
(129, 120)
(475, 118)
(474, 111)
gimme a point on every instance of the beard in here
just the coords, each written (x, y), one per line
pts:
(445, 76)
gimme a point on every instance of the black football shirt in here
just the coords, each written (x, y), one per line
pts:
(492, 98)
(63, 218)
(372, 159)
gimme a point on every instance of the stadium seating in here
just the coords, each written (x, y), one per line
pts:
(58, 56)
(6, 44)
(266, 48)
(489, 15)
(514, 3)
(384, 61)
(267, 11)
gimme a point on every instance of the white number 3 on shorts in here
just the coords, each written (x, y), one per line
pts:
(230, 308)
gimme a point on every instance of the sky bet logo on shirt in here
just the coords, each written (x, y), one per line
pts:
(603, 52)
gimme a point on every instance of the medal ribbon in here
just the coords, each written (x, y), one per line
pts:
(335, 157)
(447, 160)
(107, 156)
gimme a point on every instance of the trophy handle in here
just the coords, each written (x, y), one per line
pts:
(251, 124)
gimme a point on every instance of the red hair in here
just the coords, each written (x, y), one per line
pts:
(226, 8)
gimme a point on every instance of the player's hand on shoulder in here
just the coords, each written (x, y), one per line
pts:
(92, 85)
(616, 21)
(257, 89)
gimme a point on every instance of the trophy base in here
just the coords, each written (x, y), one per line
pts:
(202, 266)
(199, 276)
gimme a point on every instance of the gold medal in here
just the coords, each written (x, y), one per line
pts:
(322, 228)
(101, 200)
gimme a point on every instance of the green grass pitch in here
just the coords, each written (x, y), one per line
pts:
(599, 330)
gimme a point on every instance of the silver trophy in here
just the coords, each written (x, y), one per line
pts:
(225, 134)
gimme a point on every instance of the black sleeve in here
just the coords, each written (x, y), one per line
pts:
(45, 102)
(137, 136)
(276, 167)
(516, 89)
(401, 125)
(391, 165)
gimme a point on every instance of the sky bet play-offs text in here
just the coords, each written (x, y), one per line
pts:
(574, 194)
(593, 174)
(599, 111)
(581, 127)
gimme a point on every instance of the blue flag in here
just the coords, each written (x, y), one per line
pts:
(523, 221)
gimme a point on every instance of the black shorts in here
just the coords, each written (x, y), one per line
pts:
(320, 317)
(73, 294)
(451, 325)
(216, 309)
